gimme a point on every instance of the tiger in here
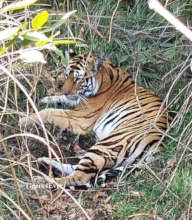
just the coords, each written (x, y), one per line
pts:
(128, 120)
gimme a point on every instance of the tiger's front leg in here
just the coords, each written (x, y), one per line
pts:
(64, 119)
(60, 99)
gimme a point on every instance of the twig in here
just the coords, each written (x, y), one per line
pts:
(111, 22)
(88, 19)
(34, 107)
(3, 194)
(47, 178)
(18, 190)
(180, 26)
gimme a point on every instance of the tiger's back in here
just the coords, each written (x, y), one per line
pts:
(128, 120)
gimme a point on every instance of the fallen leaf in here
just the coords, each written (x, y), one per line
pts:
(108, 199)
(160, 149)
(172, 162)
(95, 196)
(81, 33)
(135, 194)
(137, 173)
(109, 208)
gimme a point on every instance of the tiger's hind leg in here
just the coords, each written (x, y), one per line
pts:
(86, 171)
(106, 174)
(60, 169)
(131, 162)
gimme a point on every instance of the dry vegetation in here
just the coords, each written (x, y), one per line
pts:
(138, 40)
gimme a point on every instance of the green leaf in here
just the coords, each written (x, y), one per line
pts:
(60, 53)
(36, 36)
(41, 43)
(39, 20)
(60, 22)
(32, 56)
(8, 33)
(25, 42)
(59, 42)
(8, 45)
(54, 26)
(2, 51)
(18, 5)
(123, 58)
(68, 14)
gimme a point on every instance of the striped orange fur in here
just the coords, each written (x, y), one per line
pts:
(128, 120)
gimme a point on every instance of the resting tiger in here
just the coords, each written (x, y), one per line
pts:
(127, 119)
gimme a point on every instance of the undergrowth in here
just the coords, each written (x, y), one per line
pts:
(139, 41)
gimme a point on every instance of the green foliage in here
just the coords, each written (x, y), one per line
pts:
(18, 5)
(39, 20)
(141, 42)
(33, 36)
(153, 197)
(182, 182)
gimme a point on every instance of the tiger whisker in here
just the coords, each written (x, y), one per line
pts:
(83, 99)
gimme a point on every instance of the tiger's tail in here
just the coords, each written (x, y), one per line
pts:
(76, 179)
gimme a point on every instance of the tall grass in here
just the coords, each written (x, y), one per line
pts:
(139, 41)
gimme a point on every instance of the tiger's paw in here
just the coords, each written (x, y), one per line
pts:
(46, 100)
(61, 181)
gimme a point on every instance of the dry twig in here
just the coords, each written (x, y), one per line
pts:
(111, 22)
(180, 26)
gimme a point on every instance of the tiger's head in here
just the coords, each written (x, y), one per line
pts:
(80, 78)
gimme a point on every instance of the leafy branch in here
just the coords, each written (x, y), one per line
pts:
(35, 35)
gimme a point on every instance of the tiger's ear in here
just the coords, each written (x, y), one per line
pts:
(98, 64)
(72, 53)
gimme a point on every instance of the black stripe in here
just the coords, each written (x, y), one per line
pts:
(111, 136)
(118, 148)
(111, 75)
(147, 146)
(161, 125)
(137, 110)
(117, 74)
(131, 113)
(127, 78)
(101, 84)
(114, 159)
(125, 89)
(110, 143)
(135, 104)
(92, 113)
(90, 159)
(97, 152)
(108, 122)
(88, 170)
(127, 103)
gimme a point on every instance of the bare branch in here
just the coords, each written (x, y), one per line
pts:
(172, 19)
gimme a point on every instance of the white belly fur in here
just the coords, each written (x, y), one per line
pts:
(107, 123)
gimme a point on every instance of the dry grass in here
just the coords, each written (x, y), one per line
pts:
(136, 39)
